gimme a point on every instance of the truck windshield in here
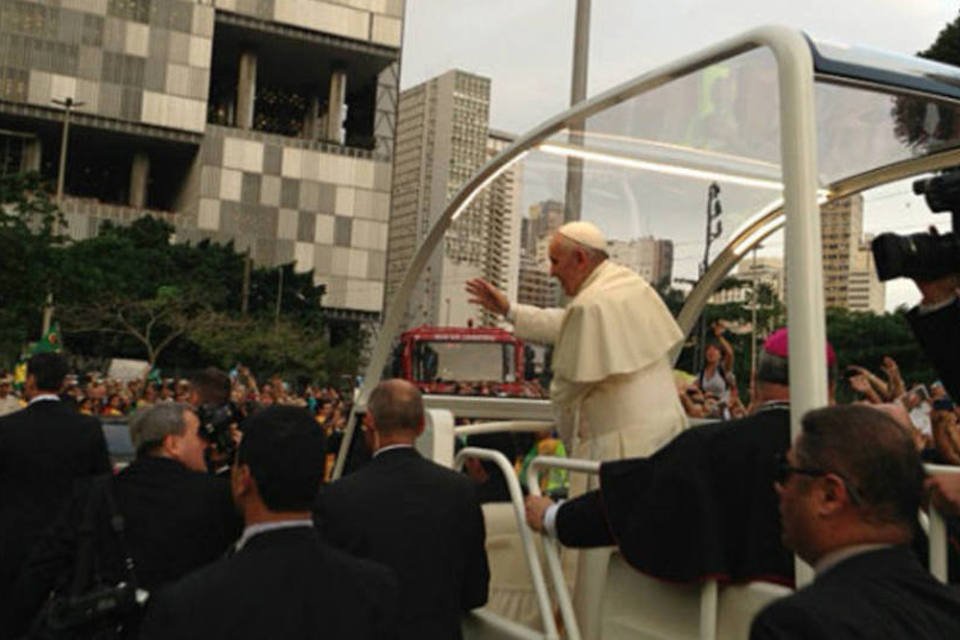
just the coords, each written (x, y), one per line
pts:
(463, 361)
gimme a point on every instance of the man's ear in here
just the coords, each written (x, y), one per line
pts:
(241, 479)
(831, 494)
(421, 427)
(170, 445)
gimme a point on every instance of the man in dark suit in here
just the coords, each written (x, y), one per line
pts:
(419, 518)
(849, 492)
(283, 581)
(703, 505)
(44, 448)
(177, 517)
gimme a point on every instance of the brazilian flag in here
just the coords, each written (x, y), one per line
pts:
(49, 343)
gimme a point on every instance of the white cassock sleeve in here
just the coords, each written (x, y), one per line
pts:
(536, 324)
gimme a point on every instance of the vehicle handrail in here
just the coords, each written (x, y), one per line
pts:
(937, 535)
(550, 547)
(709, 590)
(508, 426)
(516, 500)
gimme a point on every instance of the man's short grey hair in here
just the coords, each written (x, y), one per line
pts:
(396, 405)
(149, 426)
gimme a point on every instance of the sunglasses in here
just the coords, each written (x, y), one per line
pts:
(785, 470)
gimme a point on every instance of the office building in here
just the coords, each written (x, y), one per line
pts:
(443, 138)
(269, 124)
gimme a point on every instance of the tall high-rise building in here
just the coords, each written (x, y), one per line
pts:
(650, 257)
(849, 277)
(443, 138)
(543, 218)
(269, 124)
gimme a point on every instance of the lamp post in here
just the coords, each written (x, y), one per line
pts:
(714, 227)
(68, 104)
(573, 199)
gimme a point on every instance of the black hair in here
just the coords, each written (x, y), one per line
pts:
(212, 386)
(49, 371)
(284, 448)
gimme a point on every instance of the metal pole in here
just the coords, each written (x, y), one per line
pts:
(276, 318)
(712, 233)
(67, 104)
(245, 288)
(573, 200)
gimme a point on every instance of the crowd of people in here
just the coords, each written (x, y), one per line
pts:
(96, 395)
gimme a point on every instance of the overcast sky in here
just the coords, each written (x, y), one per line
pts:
(525, 48)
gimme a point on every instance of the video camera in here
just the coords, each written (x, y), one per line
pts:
(215, 422)
(924, 256)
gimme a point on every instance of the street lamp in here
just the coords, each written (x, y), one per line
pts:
(68, 104)
(714, 228)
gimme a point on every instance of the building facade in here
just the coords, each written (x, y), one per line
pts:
(269, 124)
(443, 138)
(849, 276)
(650, 257)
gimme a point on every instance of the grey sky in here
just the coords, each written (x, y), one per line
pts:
(524, 47)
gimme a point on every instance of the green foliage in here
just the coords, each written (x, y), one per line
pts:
(865, 338)
(132, 292)
(28, 232)
(946, 48)
(263, 345)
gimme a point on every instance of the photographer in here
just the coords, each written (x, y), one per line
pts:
(936, 325)
(210, 397)
(175, 517)
(932, 261)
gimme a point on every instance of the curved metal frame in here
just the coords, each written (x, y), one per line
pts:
(516, 500)
(550, 546)
(771, 219)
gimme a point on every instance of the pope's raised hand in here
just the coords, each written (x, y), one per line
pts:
(487, 296)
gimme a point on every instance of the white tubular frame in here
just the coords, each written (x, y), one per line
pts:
(937, 535)
(508, 426)
(516, 499)
(709, 591)
(550, 547)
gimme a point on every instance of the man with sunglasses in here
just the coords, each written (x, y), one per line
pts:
(849, 489)
(703, 505)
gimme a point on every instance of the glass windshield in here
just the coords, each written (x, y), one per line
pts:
(461, 362)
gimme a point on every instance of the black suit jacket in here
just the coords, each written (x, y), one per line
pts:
(939, 335)
(282, 584)
(703, 506)
(423, 521)
(175, 519)
(44, 448)
(882, 594)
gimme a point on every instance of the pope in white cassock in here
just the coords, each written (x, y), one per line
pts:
(612, 390)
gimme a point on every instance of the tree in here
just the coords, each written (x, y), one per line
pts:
(912, 114)
(28, 269)
(154, 323)
(263, 345)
